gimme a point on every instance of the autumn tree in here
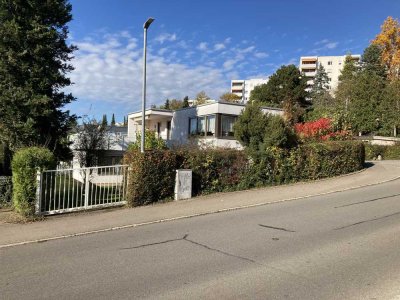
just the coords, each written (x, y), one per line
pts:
(201, 98)
(230, 97)
(389, 42)
(34, 63)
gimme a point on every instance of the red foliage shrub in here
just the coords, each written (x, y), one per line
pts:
(319, 130)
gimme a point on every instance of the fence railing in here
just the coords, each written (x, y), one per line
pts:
(68, 190)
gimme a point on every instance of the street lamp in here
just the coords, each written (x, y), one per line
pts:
(145, 27)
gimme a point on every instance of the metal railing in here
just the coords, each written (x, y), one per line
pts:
(68, 190)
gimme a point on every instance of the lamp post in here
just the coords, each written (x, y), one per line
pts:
(145, 27)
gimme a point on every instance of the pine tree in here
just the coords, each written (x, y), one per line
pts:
(34, 61)
(104, 121)
(166, 105)
(113, 120)
(321, 82)
(185, 102)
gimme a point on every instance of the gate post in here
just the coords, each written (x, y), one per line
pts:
(38, 203)
(87, 173)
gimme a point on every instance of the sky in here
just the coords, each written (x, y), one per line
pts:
(198, 46)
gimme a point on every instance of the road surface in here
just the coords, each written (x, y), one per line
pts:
(344, 245)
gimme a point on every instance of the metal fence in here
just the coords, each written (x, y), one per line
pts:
(67, 190)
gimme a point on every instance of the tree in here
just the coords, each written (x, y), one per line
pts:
(113, 120)
(388, 41)
(372, 61)
(249, 129)
(166, 105)
(91, 140)
(104, 121)
(257, 131)
(34, 63)
(151, 142)
(125, 121)
(185, 102)
(350, 69)
(175, 104)
(321, 83)
(286, 88)
(230, 97)
(201, 98)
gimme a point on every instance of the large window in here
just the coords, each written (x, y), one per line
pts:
(203, 126)
(227, 125)
(210, 124)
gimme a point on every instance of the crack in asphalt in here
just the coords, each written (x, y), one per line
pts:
(366, 221)
(219, 251)
(185, 238)
(277, 228)
(366, 201)
(156, 243)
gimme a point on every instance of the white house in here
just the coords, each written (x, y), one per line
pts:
(209, 124)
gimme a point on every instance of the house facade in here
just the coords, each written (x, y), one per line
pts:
(243, 88)
(209, 125)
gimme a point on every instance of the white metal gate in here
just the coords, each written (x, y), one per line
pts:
(67, 190)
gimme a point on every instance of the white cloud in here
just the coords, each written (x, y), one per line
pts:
(324, 41)
(219, 46)
(261, 54)
(202, 46)
(110, 71)
(332, 45)
(324, 45)
(166, 37)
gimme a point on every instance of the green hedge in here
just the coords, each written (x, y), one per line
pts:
(5, 191)
(386, 152)
(25, 164)
(152, 175)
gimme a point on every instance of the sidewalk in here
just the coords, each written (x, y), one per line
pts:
(90, 222)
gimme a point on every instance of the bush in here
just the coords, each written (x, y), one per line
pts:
(5, 191)
(152, 175)
(25, 164)
(386, 152)
(306, 162)
(215, 170)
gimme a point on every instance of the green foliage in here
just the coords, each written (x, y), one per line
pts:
(306, 162)
(185, 102)
(256, 130)
(34, 61)
(249, 129)
(104, 121)
(321, 83)
(372, 61)
(5, 191)
(151, 142)
(5, 160)
(285, 85)
(152, 174)
(386, 152)
(113, 120)
(25, 164)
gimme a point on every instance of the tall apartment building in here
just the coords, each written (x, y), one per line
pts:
(243, 88)
(333, 66)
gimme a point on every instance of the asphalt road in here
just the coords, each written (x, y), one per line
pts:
(339, 246)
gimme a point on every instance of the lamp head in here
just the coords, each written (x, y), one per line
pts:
(148, 22)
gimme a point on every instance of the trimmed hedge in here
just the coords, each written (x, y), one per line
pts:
(152, 174)
(25, 164)
(386, 152)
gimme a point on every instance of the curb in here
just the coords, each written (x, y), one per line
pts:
(189, 216)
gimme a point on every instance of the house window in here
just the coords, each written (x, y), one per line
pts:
(192, 126)
(210, 124)
(227, 125)
(168, 130)
(201, 125)
(158, 129)
(329, 63)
